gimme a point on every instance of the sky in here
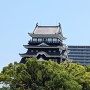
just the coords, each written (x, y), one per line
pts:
(18, 17)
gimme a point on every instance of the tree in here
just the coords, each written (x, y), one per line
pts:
(41, 75)
(80, 73)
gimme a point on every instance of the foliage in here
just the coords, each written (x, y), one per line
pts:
(45, 75)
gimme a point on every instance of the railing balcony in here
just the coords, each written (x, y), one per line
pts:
(47, 42)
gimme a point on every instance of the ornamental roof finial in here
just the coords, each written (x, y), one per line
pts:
(36, 24)
(59, 24)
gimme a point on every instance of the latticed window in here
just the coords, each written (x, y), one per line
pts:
(31, 50)
(54, 51)
(49, 39)
(36, 50)
(39, 39)
(54, 39)
(34, 39)
(49, 51)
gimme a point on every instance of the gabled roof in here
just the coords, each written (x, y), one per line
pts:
(43, 44)
(47, 30)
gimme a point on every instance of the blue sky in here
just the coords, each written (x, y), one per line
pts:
(18, 17)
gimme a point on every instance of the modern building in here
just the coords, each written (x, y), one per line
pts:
(46, 43)
(79, 54)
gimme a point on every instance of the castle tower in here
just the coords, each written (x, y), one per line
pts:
(46, 43)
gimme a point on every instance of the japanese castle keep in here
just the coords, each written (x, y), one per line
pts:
(46, 43)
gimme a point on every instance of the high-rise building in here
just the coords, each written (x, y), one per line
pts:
(79, 54)
(46, 43)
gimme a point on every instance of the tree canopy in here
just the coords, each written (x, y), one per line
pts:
(45, 75)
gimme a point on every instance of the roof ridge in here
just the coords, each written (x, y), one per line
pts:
(47, 26)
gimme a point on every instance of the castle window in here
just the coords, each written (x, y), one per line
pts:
(39, 39)
(36, 50)
(34, 39)
(49, 51)
(54, 39)
(50, 39)
(31, 50)
(54, 51)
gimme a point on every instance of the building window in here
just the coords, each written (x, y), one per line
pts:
(49, 39)
(54, 51)
(54, 39)
(49, 51)
(36, 50)
(31, 50)
(39, 39)
(34, 39)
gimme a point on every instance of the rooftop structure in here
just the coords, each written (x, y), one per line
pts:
(46, 43)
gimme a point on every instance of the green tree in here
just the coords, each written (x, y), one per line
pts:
(81, 74)
(40, 75)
